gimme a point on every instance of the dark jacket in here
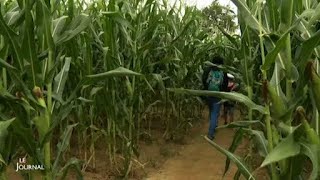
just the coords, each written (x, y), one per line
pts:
(224, 85)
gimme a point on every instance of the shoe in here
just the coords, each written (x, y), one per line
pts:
(210, 137)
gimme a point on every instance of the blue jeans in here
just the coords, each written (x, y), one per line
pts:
(214, 108)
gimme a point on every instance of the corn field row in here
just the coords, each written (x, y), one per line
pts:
(89, 72)
(100, 71)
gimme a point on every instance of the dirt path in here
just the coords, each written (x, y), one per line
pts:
(198, 160)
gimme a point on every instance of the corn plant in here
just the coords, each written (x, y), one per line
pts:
(280, 38)
(99, 66)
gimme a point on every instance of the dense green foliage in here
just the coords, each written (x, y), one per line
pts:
(279, 67)
(97, 70)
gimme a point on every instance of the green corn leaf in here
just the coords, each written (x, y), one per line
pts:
(85, 100)
(63, 145)
(312, 151)
(94, 91)
(231, 39)
(285, 149)
(240, 164)
(286, 129)
(56, 120)
(117, 17)
(286, 12)
(7, 65)
(29, 44)
(247, 15)
(26, 137)
(224, 95)
(12, 38)
(77, 25)
(307, 48)
(14, 16)
(271, 56)
(44, 20)
(273, 13)
(260, 141)
(315, 15)
(5, 124)
(116, 72)
(237, 139)
(61, 78)
(58, 26)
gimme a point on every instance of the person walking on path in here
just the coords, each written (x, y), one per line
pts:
(228, 107)
(214, 79)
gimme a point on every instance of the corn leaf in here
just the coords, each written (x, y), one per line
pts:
(286, 148)
(29, 44)
(58, 26)
(237, 139)
(307, 48)
(78, 24)
(247, 15)
(61, 78)
(312, 151)
(11, 37)
(260, 141)
(286, 12)
(271, 56)
(7, 65)
(62, 145)
(116, 72)
(315, 15)
(224, 95)
(5, 124)
(14, 16)
(245, 171)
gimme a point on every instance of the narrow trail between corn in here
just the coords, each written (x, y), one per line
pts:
(198, 160)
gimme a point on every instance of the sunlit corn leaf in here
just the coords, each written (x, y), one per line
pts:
(288, 147)
(58, 26)
(116, 72)
(61, 78)
(77, 25)
(14, 16)
(224, 95)
(247, 15)
(245, 171)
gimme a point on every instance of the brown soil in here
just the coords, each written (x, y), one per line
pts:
(198, 160)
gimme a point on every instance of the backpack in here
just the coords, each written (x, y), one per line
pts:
(215, 80)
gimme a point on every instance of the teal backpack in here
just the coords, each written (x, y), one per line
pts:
(215, 80)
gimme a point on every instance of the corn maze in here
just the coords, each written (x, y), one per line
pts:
(79, 74)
